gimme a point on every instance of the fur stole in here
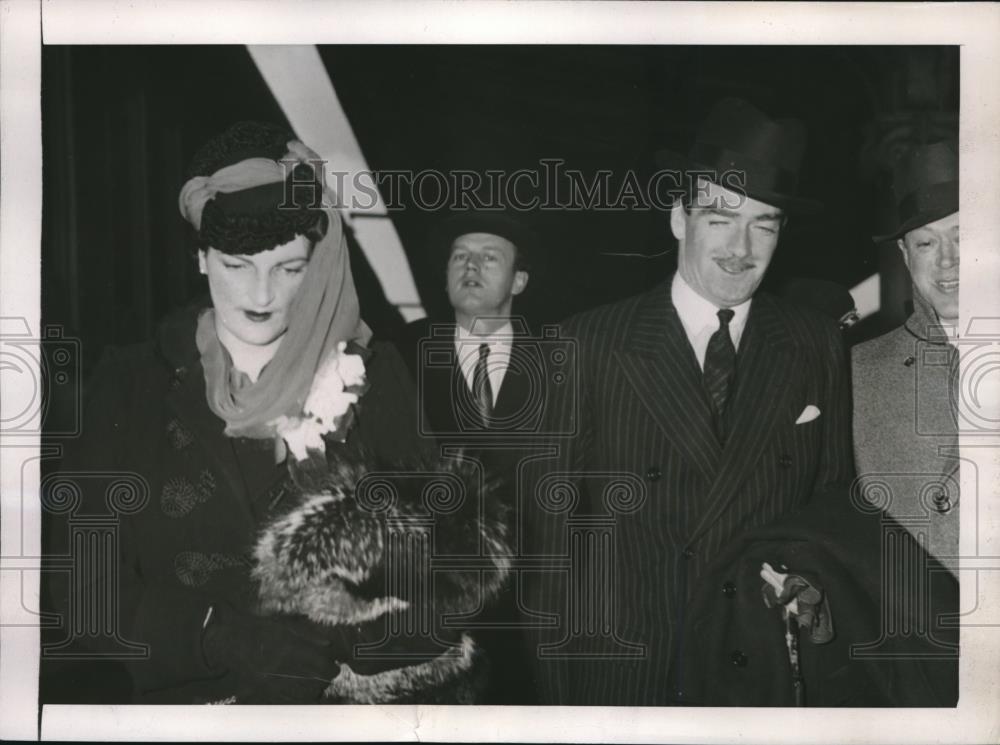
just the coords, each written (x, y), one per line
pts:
(361, 544)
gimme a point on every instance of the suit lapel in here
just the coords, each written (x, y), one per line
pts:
(659, 363)
(764, 368)
(523, 373)
(435, 363)
(451, 389)
(463, 407)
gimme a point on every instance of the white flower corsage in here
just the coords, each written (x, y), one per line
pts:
(338, 384)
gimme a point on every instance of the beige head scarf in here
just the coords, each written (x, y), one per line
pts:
(324, 312)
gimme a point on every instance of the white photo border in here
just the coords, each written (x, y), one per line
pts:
(26, 24)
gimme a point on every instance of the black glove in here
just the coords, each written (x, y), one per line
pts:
(276, 659)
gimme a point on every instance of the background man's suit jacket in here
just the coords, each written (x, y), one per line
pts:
(428, 349)
(449, 410)
(644, 456)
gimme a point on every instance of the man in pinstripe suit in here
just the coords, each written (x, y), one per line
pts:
(698, 411)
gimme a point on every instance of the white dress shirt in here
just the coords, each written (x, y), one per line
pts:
(700, 317)
(467, 349)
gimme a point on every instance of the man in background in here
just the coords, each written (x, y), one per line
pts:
(905, 382)
(479, 379)
(470, 366)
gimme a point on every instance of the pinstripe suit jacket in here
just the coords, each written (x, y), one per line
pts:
(640, 495)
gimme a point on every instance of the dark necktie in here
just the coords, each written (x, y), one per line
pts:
(481, 389)
(720, 366)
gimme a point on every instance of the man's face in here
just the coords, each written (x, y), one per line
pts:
(482, 277)
(724, 249)
(931, 255)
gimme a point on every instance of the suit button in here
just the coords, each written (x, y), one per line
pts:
(688, 553)
(177, 378)
(653, 473)
(729, 590)
(785, 461)
(738, 658)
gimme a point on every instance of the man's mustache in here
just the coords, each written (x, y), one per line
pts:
(735, 264)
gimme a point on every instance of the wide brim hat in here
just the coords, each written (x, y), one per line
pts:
(924, 188)
(741, 148)
(479, 221)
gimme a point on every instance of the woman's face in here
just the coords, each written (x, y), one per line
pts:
(252, 294)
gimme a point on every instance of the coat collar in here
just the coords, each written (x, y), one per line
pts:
(175, 338)
(923, 323)
(445, 328)
(656, 318)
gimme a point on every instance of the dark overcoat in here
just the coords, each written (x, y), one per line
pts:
(893, 608)
(186, 534)
(641, 497)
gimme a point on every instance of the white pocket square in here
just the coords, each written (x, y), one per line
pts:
(808, 414)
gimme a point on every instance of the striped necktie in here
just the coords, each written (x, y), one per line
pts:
(482, 391)
(720, 367)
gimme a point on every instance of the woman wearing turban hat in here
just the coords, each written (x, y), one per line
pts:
(253, 564)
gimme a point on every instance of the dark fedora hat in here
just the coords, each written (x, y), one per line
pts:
(740, 147)
(483, 221)
(924, 187)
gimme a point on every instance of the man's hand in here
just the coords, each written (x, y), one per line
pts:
(801, 598)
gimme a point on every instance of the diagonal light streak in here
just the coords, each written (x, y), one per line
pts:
(301, 86)
(867, 296)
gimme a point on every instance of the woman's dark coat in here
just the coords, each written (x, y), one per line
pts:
(200, 502)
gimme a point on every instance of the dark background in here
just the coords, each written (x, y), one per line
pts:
(120, 124)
